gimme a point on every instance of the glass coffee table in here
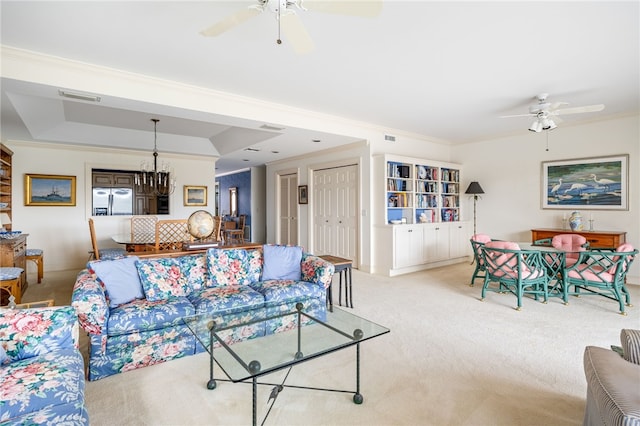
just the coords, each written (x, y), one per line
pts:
(248, 360)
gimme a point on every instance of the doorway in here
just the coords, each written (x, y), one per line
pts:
(335, 212)
(288, 209)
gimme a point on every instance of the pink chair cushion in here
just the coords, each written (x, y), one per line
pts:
(571, 243)
(481, 238)
(509, 261)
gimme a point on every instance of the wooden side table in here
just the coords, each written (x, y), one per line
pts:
(341, 265)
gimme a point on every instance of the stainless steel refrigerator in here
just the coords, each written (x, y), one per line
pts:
(112, 201)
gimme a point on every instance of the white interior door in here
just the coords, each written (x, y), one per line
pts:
(335, 211)
(288, 209)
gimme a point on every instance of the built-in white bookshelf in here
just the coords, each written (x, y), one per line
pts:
(420, 191)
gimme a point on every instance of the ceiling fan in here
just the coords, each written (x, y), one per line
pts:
(546, 113)
(289, 21)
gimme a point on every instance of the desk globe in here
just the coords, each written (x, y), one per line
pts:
(200, 224)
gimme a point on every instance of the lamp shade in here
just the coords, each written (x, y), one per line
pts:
(5, 219)
(474, 188)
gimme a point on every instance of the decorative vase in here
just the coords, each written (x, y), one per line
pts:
(575, 221)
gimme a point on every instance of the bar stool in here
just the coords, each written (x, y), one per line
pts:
(11, 279)
(37, 256)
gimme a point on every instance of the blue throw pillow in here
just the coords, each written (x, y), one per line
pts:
(120, 279)
(281, 262)
(3, 355)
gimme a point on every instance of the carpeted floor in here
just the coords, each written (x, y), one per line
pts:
(450, 359)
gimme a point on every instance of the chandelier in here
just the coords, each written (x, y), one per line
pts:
(151, 180)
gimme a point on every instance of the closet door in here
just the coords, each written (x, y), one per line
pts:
(336, 212)
(288, 233)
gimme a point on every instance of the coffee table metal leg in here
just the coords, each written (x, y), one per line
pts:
(255, 400)
(211, 384)
(357, 397)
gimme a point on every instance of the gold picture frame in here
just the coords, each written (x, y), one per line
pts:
(49, 190)
(195, 195)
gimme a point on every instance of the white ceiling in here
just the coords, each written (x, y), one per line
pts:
(445, 70)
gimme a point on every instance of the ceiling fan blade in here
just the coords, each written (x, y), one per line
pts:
(296, 33)
(517, 115)
(230, 22)
(364, 8)
(577, 110)
(554, 106)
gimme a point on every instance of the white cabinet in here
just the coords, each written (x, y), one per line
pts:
(408, 245)
(436, 242)
(417, 216)
(459, 236)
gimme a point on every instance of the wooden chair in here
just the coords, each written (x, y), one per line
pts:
(104, 253)
(602, 273)
(217, 228)
(517, 271)
(37, 257)
(143, 228)
(236, 235)
(171, 233)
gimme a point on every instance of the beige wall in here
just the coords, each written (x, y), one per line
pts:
(509, 171)
(63, 232)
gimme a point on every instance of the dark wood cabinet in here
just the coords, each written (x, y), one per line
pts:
(596, 239)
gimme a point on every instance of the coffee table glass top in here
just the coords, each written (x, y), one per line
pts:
(262, 355)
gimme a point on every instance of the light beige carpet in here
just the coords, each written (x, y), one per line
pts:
(450, 359)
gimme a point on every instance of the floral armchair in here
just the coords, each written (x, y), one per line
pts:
(41, 368)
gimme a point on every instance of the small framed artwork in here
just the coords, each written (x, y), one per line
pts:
(195, 195)
(49, 190)
(598, 183)
(303, 197)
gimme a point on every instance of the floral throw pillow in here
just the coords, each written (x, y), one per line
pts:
(234, 266)
(162, 279)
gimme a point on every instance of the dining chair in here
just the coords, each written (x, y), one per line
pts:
(143, 228)
(477, 241)
(102, 253)
(517, 271)
(572, 244)
(217, 228)
(601, 272)
(236, 235)
(171, 233)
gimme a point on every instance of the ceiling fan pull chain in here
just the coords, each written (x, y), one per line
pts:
(279, 40)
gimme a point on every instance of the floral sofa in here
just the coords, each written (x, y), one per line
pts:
(41, 369)
(134, 308)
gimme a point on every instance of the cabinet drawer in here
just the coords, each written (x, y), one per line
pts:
(19, 249)
(601, 241)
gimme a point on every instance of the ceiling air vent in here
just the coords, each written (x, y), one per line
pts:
(389, 138)
(270, 127)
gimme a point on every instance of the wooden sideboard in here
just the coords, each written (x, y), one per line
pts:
(13, 253)
(596, 239)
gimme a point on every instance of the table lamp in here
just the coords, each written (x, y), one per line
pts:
(474, 189)
(4, 220)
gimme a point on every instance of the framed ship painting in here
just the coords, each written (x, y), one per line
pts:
(599, 183)
(49, 190)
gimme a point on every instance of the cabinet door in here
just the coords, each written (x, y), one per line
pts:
(436, 243)
(408, 246)
(459, 235)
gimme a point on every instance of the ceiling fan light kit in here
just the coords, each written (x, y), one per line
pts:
(546, 114)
